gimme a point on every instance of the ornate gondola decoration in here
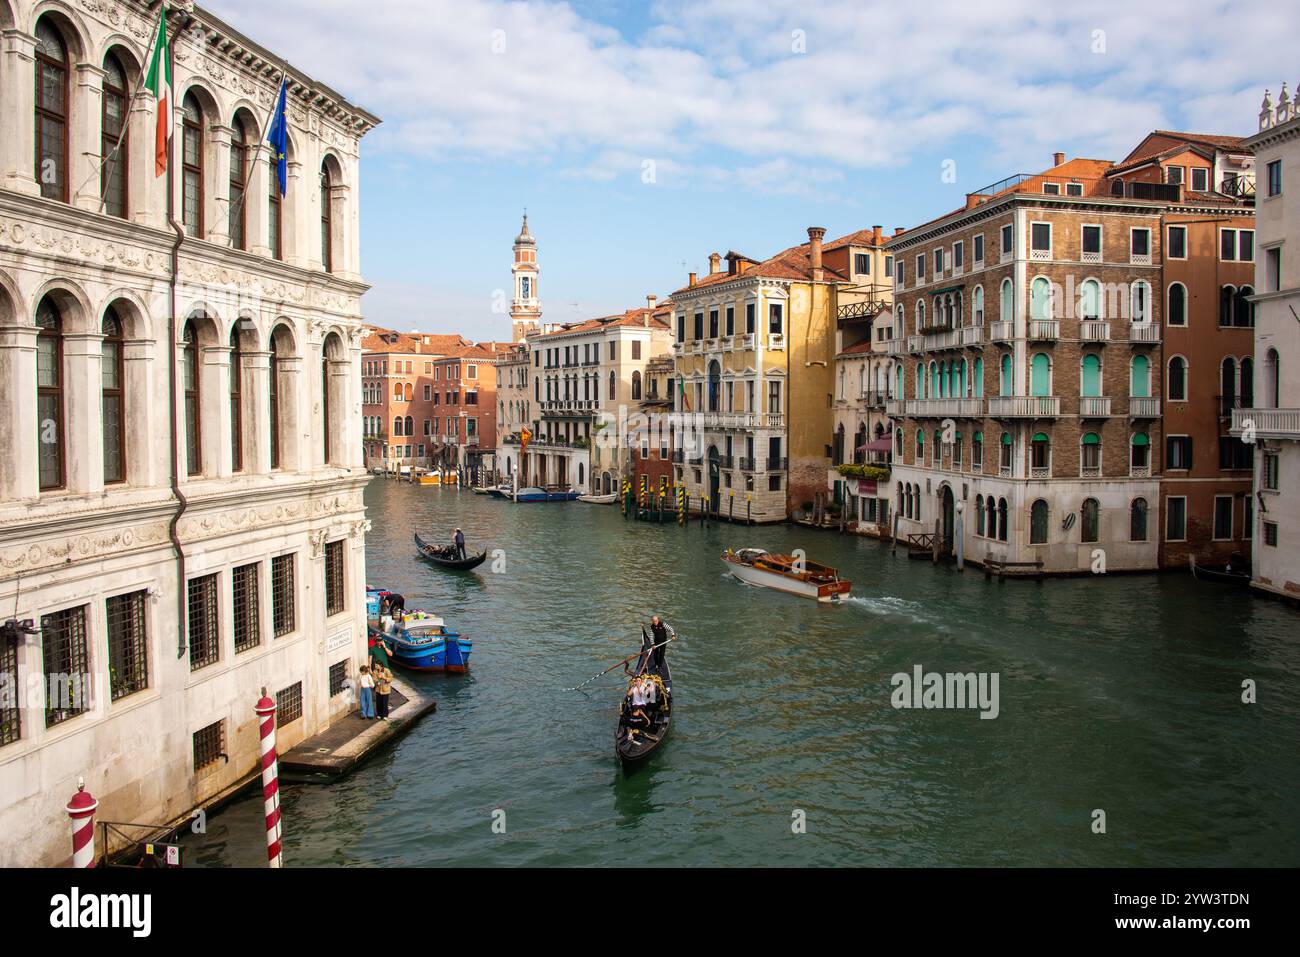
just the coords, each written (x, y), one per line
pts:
(448, 557)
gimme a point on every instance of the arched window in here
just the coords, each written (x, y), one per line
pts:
(238, 179)
(275, 208)
(1006, 384)
(1040, 452)
(52, 99)
(397, 425)
(1243, 310)
(715, 385)
(1227, 296)
(409, 392)
(920, 446)
(1090, 455)
(192, 162)
(1272, 380)
(111, 411)
(1177, 379)
(977, 306)
(1176, 307)
(979, 515)
(1002, 519)
(49, 395)
(1090, 521)
(279, 352)
(191, 375)
(1090, 376)
(1040, 382)
(1040, 299)
(1038, 522)
(920, 381)
(1090, 299)
(1141, 302)
(1007, 302)
(1247, 383)
(920, 316)
(1227, 386)
(977, 452)
(408, 425)
(613, 386)
(1137, 520)
(112, 128)
(326, 224)
(1005, 452)
(978, 377)
(1139, 454)
(1139, 377)
(898, 444)
(236, 401)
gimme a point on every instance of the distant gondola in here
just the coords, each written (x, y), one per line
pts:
(443, 556)
(1218, 575)
(633, 746)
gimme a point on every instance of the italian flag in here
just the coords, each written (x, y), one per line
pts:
(159, 82)
(686, 399)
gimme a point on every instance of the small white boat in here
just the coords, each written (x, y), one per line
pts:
(755, 566)
(609, 499)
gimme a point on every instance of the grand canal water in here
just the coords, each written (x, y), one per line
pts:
(1121, 694)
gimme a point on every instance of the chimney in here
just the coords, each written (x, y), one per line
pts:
(898, 230)
(650, 301)
(815, 234)
(690, 281)
(715, 263)
(1058, 159)
(877, 235)
(645, 319)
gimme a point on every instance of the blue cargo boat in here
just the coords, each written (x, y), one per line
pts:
(420, 640)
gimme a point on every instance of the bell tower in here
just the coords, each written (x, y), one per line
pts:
(525, 306)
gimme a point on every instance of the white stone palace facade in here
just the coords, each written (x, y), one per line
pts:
(181, 515)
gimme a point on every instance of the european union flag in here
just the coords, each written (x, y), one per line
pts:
(278, 137)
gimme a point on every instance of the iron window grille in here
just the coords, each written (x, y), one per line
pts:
(248, 632)
(204, 624)
(334, 602)
(283, 605)
(128, 644)
(67, 671)
(288, 705)
(11, 728)
(209, 744)
(338, 677)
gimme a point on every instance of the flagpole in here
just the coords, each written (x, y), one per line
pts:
(257, 150)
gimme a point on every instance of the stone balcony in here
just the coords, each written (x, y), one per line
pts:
(1267, 423)
(1024, 406)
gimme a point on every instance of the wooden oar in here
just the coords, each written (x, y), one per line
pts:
(617, 663)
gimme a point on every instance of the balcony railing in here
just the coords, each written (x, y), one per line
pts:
(1024, 406)
(894, 407)
(872, 398)
(1094, 407)
(775, 341)
(745, 463)
(1002, 330)
(1090, 471)
(777, 465)
(1267, 423)
(1094, 330)
(1146, 332)
(1044, 330)
(939, 408)
(972, 335)
(1142, 407)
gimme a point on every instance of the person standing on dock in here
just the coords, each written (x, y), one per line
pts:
(383, 687)
(367, 684)
(459, 539)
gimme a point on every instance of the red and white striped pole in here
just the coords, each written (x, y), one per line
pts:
(81, 812)
(270, 781)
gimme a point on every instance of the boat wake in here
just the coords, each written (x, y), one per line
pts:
(886, 605)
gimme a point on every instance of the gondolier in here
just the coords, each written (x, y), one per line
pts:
(459, 539)
(660, 633)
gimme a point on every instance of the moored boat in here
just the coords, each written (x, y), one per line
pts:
(609, 499)
(1236, 573)
(446, 556)
(502, 491)
(637, 737)
(755, 566)
(420, 640)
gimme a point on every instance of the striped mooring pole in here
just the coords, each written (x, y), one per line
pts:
(270, 781)
(81, 812)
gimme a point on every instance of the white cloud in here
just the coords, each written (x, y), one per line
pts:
(714, 85)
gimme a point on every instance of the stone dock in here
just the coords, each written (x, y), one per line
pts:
(349, 741)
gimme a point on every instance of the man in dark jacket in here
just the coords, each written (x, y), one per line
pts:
(660, 632)
(460, 543)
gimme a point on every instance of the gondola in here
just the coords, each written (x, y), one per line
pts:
(634, 746)
(443, 556)
(1218, 576)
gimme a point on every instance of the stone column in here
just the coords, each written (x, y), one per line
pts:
(214, 411)
(17, 106)
(216, 212)
(256, 203)
(19, 478)
(146, 192)
(293, 221)
(83, 450)
(257, 413)
(142, 418)
(344, 443)
(85, 148)
(293, 401)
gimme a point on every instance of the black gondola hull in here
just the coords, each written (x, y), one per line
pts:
(634, 751)
(430, 554)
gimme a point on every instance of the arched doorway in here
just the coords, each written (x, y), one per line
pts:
(715, 480)
(948, 509)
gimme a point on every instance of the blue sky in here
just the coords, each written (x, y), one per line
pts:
(643, 136)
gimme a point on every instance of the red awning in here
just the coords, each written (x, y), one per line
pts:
(877, 445)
